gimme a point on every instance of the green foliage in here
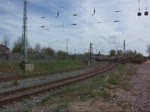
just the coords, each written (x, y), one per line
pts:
(37, 48)
(139, 56)
(112, 52)
(100, 87)
(51, 66)
(131, 54)
(63, 107)
(17, 48)
(15, 83)
(40, 67)
(45, 100)
(101, 93)
(62, 55)
(27, 110)
(31, 54)
(114, 79)
(88, 54)
(48, 51)
(9, 68)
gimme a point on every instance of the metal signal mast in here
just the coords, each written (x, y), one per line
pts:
(24, 33)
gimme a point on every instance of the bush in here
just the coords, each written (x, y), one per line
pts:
(139, 58)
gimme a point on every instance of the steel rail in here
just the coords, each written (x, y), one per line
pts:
(53, 85)
(17, 77)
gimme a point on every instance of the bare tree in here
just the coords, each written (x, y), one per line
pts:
(148, 49)
(37, 48)
(6, 41)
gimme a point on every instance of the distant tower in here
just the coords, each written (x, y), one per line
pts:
(24, 33)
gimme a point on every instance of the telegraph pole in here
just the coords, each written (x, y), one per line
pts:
(24, 33)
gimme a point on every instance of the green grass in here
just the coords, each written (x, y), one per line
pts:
(15, 83)
(116, 78)
(9, 68)
(40, 67)
(63, 107)
(45, 99)
(125, 85)
(56, 65)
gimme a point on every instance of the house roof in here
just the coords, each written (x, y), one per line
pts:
(4, 47)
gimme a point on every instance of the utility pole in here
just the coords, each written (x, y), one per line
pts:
(24, 33)
(124, 46)
(90, 53)
(67, 45)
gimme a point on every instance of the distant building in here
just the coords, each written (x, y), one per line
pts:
(4, 49)
(4, 52)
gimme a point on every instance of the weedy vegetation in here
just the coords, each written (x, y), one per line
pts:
(98, 87)
(13, 68)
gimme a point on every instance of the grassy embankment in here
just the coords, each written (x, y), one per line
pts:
(40, 67)
(100, 87)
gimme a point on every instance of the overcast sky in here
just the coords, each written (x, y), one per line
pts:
(81, 29)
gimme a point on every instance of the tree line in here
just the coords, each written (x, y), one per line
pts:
(37, 49)
(36, 52)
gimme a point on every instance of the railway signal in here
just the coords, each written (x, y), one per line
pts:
(146, 11)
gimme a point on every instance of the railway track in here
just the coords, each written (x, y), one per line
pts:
(19, 77)
(27, 92)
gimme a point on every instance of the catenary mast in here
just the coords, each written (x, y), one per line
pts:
(24, 33)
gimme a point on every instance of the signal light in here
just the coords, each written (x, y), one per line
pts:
(146, 13)
(139, 13)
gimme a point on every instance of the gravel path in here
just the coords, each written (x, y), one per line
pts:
(139, 96)
(141, 84)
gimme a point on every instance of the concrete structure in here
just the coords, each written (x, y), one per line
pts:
(29, 67)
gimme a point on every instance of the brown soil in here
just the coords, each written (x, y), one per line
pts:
(94, 106)
(139, 96)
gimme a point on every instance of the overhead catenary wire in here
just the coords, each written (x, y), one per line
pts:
(94, 9)
(57, 13)
(97, 22)
(69, 11)
(93, 12)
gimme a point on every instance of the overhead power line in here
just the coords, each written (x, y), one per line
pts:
(72, 12)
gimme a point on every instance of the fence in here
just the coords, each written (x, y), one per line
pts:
(18, 57)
